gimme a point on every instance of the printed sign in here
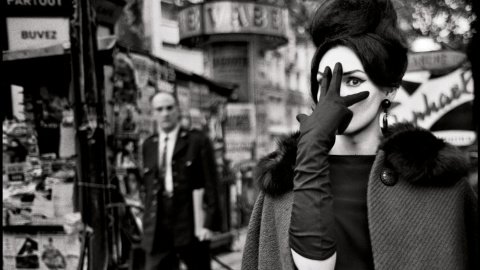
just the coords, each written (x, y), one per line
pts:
(432, 103)
(240, 131)
(436, 60)
(38, 8)
(15, 172)
(240, 118)
(189, 22)
(226, 17)
(42, 250)
(230, 64)
(27, 33)
(241, 17)
(108, 11)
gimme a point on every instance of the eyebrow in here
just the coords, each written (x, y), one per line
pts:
(163, 107)
(348, 72)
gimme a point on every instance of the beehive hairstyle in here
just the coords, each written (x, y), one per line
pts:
(369, 28)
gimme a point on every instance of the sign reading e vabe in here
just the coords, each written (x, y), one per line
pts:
(226, 17)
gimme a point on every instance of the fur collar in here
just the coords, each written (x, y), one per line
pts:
(414, 154)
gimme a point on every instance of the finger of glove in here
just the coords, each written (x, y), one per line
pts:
(326, 79)
(345, 122)
(313, 74)
(336, 81)
(352, 99)
(301, 117)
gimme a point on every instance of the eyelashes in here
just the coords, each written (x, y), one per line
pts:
(351, 81)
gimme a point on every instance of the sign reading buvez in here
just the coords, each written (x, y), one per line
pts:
(28, 33)
(46, 34)
(27, 8)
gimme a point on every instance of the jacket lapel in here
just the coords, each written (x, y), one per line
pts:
(155, 149)
(182, 141)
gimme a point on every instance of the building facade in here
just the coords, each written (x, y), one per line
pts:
(250, 44)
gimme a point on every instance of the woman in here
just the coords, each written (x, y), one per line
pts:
(340, 194)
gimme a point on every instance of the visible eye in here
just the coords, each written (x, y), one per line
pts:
(353, 81)
(166, 108)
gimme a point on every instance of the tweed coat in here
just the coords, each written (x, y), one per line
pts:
(193, 167)
(423, 215)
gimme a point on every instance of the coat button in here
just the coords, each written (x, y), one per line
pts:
(388, 177)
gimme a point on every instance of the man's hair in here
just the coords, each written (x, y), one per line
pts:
(168, 93)
(367, 27)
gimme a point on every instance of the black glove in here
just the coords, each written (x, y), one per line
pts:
(312, 221)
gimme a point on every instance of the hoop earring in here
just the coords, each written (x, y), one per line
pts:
(385, 105)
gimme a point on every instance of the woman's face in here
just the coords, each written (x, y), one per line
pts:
(355, 80)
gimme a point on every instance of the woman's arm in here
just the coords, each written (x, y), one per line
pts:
(303, 263)
(312, 221)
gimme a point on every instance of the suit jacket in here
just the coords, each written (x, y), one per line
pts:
(193, 167)
(422, 215)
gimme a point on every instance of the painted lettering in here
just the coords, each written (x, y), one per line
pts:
(39, 34)
(239, 17)
(443, 101)
(214, 16)
(259, 17)
(230, 62)
(276, 19)
(44, 3)
(193, 20)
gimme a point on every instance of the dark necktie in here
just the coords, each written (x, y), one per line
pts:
(163, 162)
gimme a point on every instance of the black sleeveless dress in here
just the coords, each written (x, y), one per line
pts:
(349, 180)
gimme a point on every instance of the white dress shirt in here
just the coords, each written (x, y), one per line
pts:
(172, 139)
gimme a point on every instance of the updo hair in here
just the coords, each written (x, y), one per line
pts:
(367, 27)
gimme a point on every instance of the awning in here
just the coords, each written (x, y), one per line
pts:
(19, 62)
(221, 88)
(104, 43)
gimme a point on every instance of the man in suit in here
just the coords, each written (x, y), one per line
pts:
(176, 162)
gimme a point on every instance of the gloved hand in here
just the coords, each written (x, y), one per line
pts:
(312, 221)
(331, 113)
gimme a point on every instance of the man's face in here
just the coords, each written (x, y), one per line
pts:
(166, 111)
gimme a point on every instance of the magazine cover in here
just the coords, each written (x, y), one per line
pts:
(43, 250)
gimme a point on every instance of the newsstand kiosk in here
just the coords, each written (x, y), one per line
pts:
(75, 111)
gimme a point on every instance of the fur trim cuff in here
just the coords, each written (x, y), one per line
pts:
(274, 173)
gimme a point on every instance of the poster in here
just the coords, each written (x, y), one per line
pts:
(42, 250)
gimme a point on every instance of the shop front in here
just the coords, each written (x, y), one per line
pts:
(71, 144)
